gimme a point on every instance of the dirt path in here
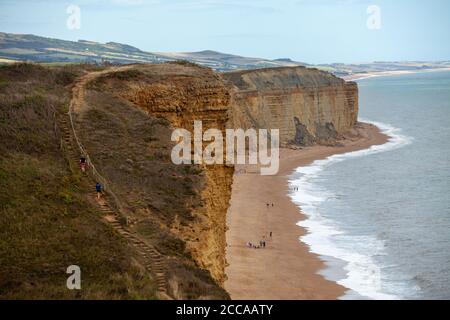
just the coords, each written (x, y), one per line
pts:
(78, 91)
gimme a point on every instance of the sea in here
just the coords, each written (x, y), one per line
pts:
(380, 217)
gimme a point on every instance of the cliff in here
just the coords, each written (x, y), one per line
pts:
(182, 95)
(307, 105)
(184, 204)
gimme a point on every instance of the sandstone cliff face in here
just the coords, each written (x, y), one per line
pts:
(182, 94)
(306, 105)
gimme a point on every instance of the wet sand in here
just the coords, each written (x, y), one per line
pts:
(285, 269)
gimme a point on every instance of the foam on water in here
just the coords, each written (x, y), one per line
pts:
(363, 275)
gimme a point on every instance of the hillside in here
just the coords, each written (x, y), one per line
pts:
(27, 47)
(41, 49)
(47, 220)
(50, 219)
(226, 62)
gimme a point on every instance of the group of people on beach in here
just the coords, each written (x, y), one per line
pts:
(295, 188)
(262, 243)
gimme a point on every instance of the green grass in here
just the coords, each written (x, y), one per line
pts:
(47, 225)
(3, 83)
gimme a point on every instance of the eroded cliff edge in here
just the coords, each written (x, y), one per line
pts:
(183, 94)
(307, 105)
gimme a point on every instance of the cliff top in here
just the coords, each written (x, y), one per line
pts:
(281, 78)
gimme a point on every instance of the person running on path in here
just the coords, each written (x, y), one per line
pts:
(99, 189)
(83, 163)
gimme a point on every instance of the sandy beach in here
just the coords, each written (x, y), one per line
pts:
(285, 269)
(361, 76)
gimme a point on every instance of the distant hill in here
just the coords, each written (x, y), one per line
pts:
(40, 49)
(226, 62)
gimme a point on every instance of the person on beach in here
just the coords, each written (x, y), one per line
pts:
(83, 163)
(267, 205)
(99, 189)
(270, 234)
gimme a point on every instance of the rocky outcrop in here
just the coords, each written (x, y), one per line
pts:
(306, 105)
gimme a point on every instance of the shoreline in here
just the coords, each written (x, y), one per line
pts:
(362, 76)
(285, 269)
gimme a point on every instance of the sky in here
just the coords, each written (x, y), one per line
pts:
(312, 31)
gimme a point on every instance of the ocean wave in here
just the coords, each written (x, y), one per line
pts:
(363, 275)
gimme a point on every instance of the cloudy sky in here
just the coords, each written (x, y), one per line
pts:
(314, 31)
